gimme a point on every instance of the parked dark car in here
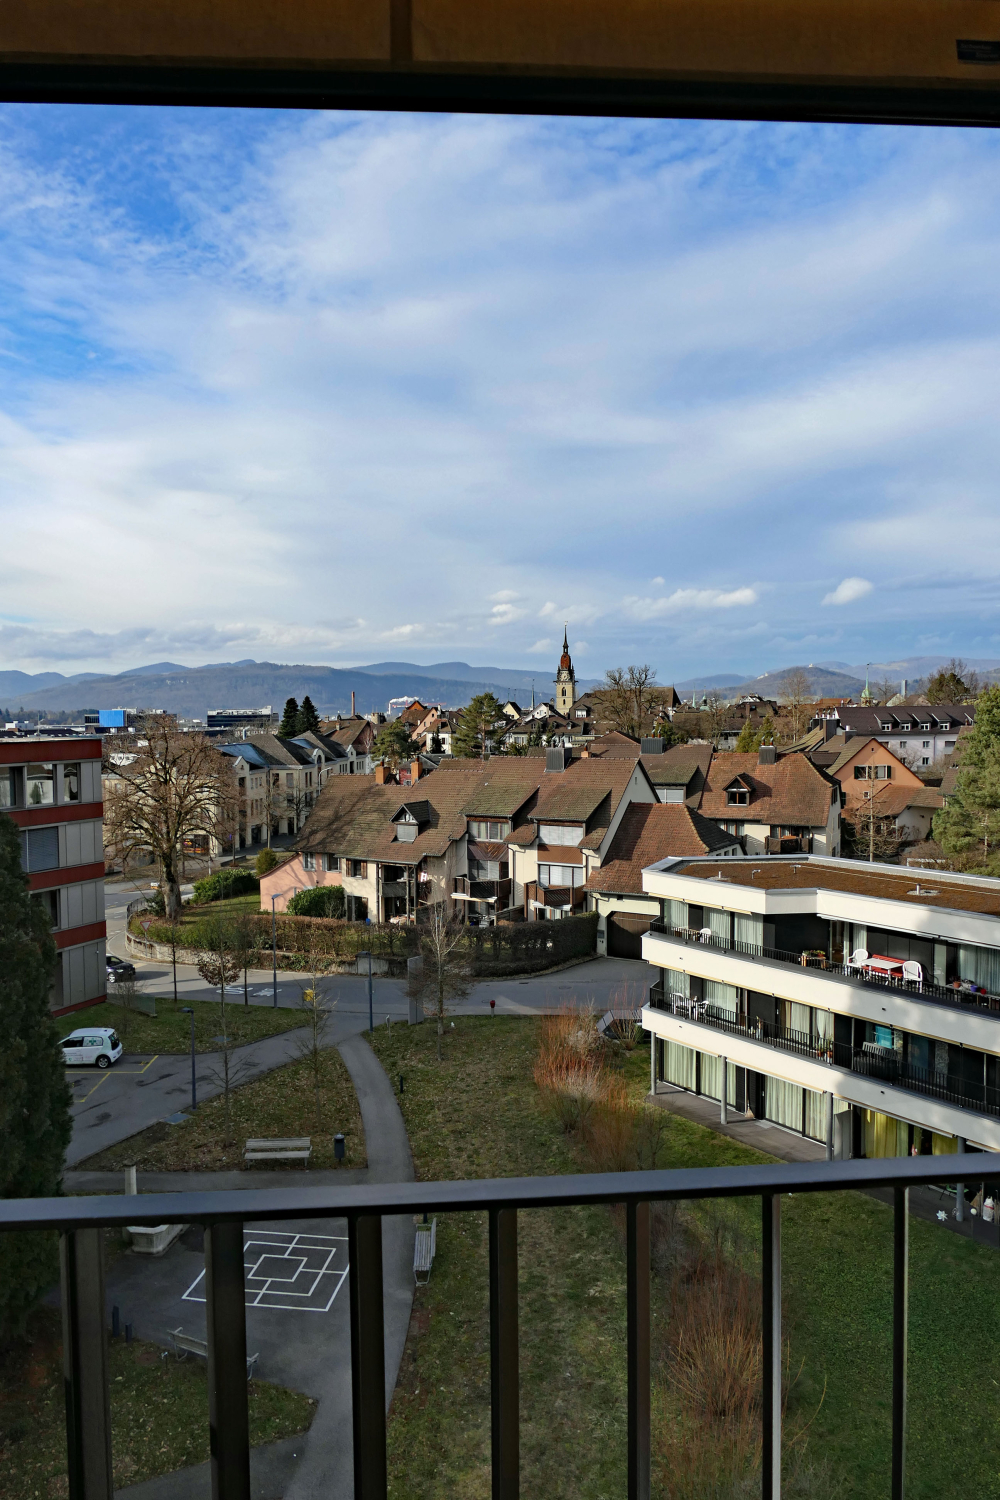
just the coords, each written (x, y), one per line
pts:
(118, 969)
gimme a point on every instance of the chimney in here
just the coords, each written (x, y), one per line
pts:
(381, 776)
(766, 755)
(352, 703)
(649, 745)
(558, 757)
(416, 771)
(830, 728)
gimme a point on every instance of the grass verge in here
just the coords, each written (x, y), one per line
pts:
(170, 1029)
(281, 1103)
(159, 1413)
(479, 1114)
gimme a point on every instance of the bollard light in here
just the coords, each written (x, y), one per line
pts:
(339, 1147)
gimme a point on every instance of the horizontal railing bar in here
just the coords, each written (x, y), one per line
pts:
(259, 1205)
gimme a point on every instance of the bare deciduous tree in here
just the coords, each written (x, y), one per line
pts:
(626, 699)
(797, 696)
(246, 943)
(318, 1008)
(178, 787)
(444, 975)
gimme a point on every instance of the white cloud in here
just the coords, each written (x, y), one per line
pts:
(658, 581)
(546, 610)
(506, 614)
(680, 599)
(848, 591)
(541, 647)
(504, 596)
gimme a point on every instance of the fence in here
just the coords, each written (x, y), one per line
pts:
(82, 1221)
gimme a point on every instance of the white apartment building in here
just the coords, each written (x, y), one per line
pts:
(853, 1003)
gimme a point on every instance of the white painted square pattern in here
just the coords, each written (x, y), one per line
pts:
(289, 1272)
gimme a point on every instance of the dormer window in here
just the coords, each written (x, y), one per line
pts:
(737, 794)
(906, 725)
(409, 820)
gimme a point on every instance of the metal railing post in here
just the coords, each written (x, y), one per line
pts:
(771, 1332)
(364, 1234)
(85, 1365)
(637, 1297)
(225, 1312)
(504, 1376)
(900, 1320)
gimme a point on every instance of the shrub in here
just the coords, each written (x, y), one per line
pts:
(266, 860)
(227, 882)
(320, 901)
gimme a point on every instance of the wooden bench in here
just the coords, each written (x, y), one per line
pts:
(185, 1344)
(291, 1148)
(423, 1252)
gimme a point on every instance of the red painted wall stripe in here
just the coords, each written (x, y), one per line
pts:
(72, 812)
(72, 937)
(68, 875)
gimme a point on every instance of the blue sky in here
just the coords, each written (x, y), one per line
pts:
(342, 388)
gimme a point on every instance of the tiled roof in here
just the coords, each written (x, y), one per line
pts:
(853, 747)
(891, 800)
(941, 716)
(678, 765)
(507, 783)
(651, 831)
(270, 751)
(352, 816)
(587, 791)
(792, 792)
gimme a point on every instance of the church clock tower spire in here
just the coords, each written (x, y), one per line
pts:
(565, 678)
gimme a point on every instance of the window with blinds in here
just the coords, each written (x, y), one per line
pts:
(718, 923)
(39, 849)
(980, 966)
(749, 928)
(675, 913)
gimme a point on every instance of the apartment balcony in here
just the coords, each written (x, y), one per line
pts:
(870, 1076)
(569, 898)
(813, 978)
(789, 843)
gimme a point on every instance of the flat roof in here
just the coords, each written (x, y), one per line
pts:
(890, 883)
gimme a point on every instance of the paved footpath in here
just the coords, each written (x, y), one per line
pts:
(140, 1091)
(299, 1324)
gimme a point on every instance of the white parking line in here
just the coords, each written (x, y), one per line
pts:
(288, 1272)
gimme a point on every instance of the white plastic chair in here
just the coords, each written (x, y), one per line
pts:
(705, 935)
(858, 959)
(913, 973)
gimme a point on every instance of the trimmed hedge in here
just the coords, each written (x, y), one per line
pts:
(507, 948)
(227, 882)
(320, 901)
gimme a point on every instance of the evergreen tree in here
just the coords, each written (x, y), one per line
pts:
(969, 824)
(289, 719)
(393, 744)
(472, 738)
(34, 1098)
(307, 719)
(749, 739)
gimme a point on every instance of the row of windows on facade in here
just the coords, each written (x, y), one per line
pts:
(358, 868)
(797, 1108)
(820, 1029)
(943, 962)
(39, 784)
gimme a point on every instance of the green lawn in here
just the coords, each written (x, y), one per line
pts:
(479, 1114)
(170, 1029)
(281, 1103)
(159, 1413)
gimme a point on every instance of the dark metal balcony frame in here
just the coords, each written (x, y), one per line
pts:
(932, 994)
(868, 1061)
(81, 1223)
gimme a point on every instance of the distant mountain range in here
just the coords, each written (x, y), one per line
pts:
(191, 691)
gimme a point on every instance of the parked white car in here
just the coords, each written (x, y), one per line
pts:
(94, 1046)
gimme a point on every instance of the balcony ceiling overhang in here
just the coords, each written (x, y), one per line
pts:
(901, 61)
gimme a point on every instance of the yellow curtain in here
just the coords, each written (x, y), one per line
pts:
(885, 1136)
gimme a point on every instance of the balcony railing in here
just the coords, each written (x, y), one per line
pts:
(81, 1223)
(936, 994)
(869, 1060)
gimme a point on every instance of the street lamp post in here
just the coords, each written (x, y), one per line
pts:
(274, 951)
(188, 1011)
(371, 1014)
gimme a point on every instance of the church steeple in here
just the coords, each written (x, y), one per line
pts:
(565, 677)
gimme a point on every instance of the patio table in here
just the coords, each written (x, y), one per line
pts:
(880, 963)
